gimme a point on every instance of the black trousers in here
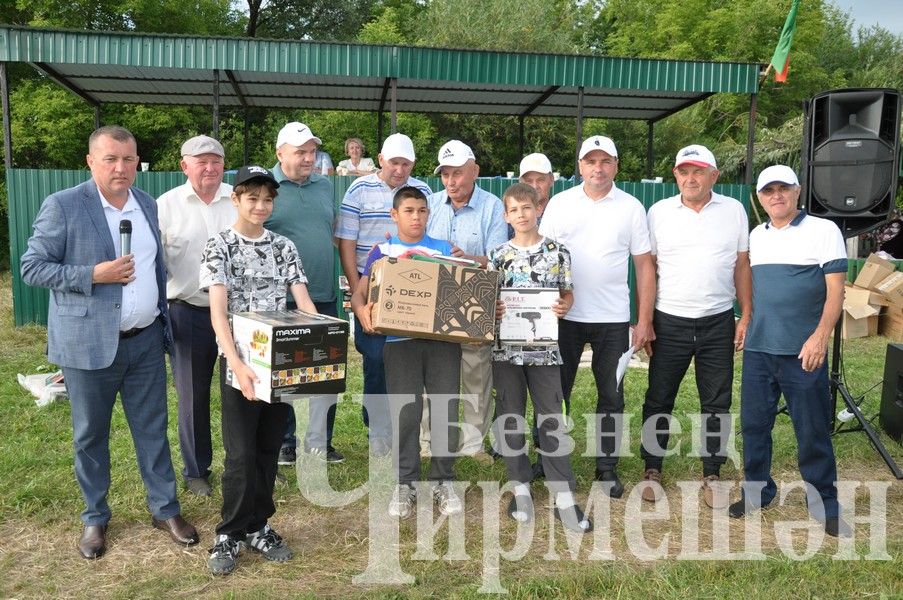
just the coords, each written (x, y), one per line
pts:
(709, 342)
(608, 342)
(252, 436)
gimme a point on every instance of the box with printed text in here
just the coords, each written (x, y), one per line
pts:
(433, 299)
(528, 316)
(292, 352)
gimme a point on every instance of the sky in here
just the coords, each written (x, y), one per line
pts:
(887, 13)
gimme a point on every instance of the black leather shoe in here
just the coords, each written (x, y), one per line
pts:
(93, 542)
(610, 482)
(837, 527)
(180, 530)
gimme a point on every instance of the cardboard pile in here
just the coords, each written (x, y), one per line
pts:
(873, 304)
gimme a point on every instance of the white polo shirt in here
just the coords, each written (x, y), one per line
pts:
(601, 235)
(696, 253)
(186, 223)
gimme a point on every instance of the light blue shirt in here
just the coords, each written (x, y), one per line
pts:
(140, 297)
(364, 214)
(475, 228)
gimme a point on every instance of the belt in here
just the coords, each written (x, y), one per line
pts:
(189, 305)
(124, 335)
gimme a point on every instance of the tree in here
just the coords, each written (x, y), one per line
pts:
(307, 19)
(511, 25)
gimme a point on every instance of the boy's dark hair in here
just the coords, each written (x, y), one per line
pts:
(254, 185)
(406, 192)
(520, 192)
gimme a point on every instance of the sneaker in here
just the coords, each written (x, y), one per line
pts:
(715, 492)
(402, 503)
(652, 485)
(270, 544)
(445, 496)
(287, 455)
(334, 456)
(223, 554)
(320, 453)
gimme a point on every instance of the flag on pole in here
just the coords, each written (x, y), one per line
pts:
(780, 60)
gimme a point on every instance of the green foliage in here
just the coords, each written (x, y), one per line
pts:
(511, 25)
(201, 17)
(50, 126)
(308, 19)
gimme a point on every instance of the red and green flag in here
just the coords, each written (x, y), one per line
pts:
(780, 60)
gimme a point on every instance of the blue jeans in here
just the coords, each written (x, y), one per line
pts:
(808, 397)
(138, 374)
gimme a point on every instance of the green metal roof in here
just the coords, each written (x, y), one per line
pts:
(107, 67)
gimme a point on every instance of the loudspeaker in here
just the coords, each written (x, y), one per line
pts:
(850, 157)
(891, 414)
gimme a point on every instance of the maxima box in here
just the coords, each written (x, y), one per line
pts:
(529, 319)
(292, 352)
(436, 300)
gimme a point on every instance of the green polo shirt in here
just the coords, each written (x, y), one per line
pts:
(305, 213)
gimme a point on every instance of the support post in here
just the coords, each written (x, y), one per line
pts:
(579, 134)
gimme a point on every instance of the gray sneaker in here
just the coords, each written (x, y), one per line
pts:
(402, 503)
(223, 554)
(270, 544)
(448, 501)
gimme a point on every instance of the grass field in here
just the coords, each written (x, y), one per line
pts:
(40, 504)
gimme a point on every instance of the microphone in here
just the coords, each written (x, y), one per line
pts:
(125, 237)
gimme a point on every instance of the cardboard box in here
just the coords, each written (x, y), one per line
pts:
(890, 324)
(860, 319)
(874, 271)
(528, 316)
(433, 300)
(891, 287)
(292, 352)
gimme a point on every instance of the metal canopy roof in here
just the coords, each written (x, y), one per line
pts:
(165, 69)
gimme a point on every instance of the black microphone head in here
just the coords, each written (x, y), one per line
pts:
(125, 226)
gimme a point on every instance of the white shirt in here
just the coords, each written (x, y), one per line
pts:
(186, 223)
(696, 253)
(140, 297)
(601, 236)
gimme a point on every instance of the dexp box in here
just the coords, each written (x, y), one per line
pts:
(433, 299)
(292, 352)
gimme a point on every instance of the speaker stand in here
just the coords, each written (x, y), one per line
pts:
(837, 387)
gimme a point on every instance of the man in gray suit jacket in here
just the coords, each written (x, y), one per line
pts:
(108, 328)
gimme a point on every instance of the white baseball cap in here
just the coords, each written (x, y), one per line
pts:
(454, 153)
(296, 134)
(536, 162)
(695, 155)
(398, 145)
(598, 142)
(774, 173)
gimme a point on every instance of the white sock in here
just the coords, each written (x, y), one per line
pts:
(521, 489)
